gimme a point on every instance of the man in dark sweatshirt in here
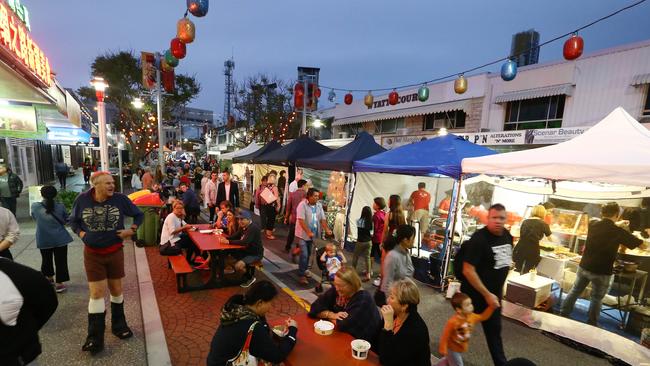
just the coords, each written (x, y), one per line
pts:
(98, 218)
(249, 236)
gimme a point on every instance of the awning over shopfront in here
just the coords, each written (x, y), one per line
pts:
(614, 151)
(404, 112)
(641, 79)
(67, 136)
(562, 89)
(241, 152)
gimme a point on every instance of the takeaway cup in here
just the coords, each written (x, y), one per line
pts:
(360, 349)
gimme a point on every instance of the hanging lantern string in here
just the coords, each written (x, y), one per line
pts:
(495, 61)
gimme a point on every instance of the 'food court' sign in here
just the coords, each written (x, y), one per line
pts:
(17, 46)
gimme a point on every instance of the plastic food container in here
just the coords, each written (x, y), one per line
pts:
(360, 349)
(323, 327)
(280, 330)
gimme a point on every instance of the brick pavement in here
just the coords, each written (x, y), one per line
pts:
(190, 319)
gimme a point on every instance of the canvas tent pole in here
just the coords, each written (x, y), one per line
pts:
(447, 246)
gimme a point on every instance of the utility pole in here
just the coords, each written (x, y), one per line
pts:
(161, 139)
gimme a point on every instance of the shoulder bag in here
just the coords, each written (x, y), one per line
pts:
(55, 217)
(244, 358)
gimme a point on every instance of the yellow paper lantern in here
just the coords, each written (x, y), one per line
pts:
(460, 85)
(368, 99)
(185, 30)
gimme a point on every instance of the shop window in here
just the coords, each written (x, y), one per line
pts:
(389, 125)
(449, 120)
(535, 113)
(221, 139)
(646, 105)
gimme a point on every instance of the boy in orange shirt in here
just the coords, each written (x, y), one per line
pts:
(455, 337)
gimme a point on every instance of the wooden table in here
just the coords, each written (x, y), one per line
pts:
(218, 254)
(317, 350)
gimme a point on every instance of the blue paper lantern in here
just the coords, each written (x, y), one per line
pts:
(198, 8)
(509, 70)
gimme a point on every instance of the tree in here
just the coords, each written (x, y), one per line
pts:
(122, 72)
(264, 110)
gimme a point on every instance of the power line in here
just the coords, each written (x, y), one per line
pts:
(495, 61)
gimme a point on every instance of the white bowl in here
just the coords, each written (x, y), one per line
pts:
(323, 327)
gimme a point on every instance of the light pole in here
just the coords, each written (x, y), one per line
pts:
(100, 86)
(161, 141)
(120, 146)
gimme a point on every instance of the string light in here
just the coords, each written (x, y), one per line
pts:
(332, 95)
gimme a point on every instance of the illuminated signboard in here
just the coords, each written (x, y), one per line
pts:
(15, 41)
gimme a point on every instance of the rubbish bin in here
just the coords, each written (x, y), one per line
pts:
(147, 233)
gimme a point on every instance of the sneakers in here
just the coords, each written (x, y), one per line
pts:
(204, 266)
(60, 287)
(199, 260)
(248, 283)
(376, 282)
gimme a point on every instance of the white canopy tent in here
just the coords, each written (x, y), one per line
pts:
(241, 152)
(614, 151)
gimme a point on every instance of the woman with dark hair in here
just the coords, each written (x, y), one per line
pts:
(52, 238)
(395, 216)
(397, 263)
(271, 208)
(242, 319)
(404, 339)
(364, 242)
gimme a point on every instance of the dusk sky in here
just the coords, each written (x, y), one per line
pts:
(359, 44)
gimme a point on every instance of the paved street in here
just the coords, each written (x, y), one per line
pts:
(189, 320)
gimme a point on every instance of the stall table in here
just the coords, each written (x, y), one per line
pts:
(218, 253)
(318, 350)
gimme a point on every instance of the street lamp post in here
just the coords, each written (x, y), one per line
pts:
(161, 141)
(100, 86)
(120, 146)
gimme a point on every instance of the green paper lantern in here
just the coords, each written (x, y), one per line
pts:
(423, 93)
(170, 59)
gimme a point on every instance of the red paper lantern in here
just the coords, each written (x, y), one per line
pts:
(178, 48)
(348, 98)
(393, 97)
(299, 96)
(573, 47)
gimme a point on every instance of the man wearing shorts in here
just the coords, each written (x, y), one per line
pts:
(250, 236)
(98, 218)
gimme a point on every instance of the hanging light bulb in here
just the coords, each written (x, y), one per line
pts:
(460, 85)
(331, 96)
(423, 93)
(509, 70)
(368, 99)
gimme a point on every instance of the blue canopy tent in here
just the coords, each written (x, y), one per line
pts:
(341, 159)
(270, 146)
(302, 147)
(438, 156)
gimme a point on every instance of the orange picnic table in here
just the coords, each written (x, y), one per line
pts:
(218, 253)
(319, 350)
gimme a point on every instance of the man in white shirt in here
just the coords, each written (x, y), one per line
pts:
(294, 185)
(9, 232)
(211, 195)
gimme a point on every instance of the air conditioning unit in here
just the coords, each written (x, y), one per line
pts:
(402, 131)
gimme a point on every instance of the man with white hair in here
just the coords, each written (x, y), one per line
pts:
(98, 218)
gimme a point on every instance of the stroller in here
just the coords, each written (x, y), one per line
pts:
(324, 278)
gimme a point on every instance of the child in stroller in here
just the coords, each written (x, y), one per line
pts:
(329, 260)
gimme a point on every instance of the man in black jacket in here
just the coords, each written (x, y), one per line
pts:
(10, 188)
(28, 302)
(228, 191)
(250, 236)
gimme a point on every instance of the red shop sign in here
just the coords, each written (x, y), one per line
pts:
(15, 42)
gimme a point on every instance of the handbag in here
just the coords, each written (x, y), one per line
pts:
(244, 358)
(56, 217)
(168, 249)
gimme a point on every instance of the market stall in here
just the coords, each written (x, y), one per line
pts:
(438, 158)
(610, 161)
(335, 169)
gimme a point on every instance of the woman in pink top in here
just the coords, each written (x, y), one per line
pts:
(378, 220)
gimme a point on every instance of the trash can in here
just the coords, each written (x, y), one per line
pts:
(147, 233)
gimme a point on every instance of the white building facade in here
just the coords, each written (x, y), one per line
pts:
(545, 103)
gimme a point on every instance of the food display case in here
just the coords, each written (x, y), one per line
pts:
(569, 228)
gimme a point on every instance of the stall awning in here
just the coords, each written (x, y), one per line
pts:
(404, 112)
(641, 79)
(562, 89)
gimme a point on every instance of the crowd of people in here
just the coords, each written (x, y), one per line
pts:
(388, 319)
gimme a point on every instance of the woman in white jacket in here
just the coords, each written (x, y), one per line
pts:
(136, 183)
